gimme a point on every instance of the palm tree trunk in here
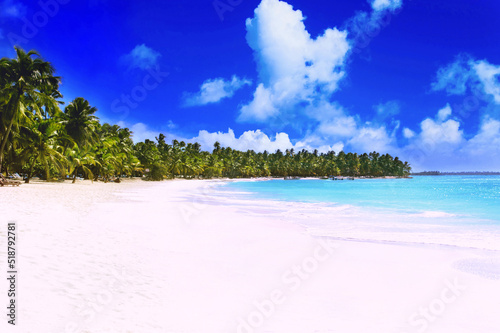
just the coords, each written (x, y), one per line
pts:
(47, 173)
(4, 142)
(7, 133)
(74, 176)
(31, 170)
(46, 167)
(63, 170)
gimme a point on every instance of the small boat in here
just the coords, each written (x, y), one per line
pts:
(291, 178)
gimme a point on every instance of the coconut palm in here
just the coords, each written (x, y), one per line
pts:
(39, 144)
(80, 160)
(80, 122)
(25, 82)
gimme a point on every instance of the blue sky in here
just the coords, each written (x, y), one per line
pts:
(415, 78)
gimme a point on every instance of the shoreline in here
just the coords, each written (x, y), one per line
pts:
(345, 212)
(380, 224)
(37, 180)
(150, 257)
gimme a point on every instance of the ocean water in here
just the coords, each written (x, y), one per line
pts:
(462, 199)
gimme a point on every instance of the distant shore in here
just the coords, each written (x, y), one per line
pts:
(463, 173)
(36, 180)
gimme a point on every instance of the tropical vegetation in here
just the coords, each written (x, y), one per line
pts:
(41, 136)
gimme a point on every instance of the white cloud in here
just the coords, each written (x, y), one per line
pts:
(249, 140)
(444, 113)
(364, 26)
(408, 133)
(12, 8)
(259, 142)
(213, 91)
(486, 142)
(489, 75)
(454, 78)
(379, 5)
(141, 132)
(298, 75)
(436, 146)
(466, 73)
(434, 133)
(324, 111)
(312, 142)
(260, 108)
(171, 125)
(441, 131)
(338, 127)
(387, 110)
(442, 146)
(371, 138)
(439, 144)
(442, 143)
(141, 57)
(293, 67)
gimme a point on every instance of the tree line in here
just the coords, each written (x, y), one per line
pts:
(39, 135)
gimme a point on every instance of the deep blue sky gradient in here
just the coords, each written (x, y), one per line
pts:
(85, 41)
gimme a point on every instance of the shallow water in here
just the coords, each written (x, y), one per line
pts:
(471, 199)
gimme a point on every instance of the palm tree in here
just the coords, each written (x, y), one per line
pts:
(213, 166)
(80, 122)
(25, 82)
(35, 132)
(39, 142)
(81, 159)
(114, 152)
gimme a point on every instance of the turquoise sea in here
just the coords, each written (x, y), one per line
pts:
(469, 199)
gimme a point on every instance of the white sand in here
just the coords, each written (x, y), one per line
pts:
(179, 257)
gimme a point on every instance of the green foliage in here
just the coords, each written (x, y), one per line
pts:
(157, 172)
(187, 161)
(28, 89)
(37, 137)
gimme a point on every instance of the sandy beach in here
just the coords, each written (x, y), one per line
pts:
(184, 257)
